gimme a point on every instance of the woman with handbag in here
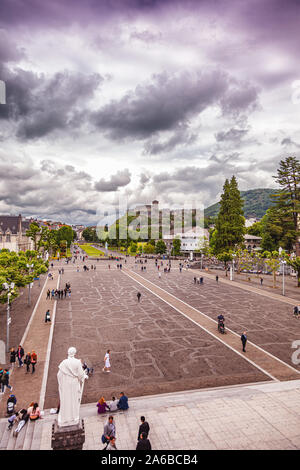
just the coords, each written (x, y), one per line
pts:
(27, 361)
(33, 360)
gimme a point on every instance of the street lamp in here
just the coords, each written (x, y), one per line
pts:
(29, 266)
(9, 288)
(232, 268)
(283, 269)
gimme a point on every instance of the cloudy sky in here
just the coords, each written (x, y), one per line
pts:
(143, 100)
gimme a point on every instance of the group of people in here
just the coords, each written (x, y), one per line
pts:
(109, 435)
(18, 355)
(114, 405)
(22, 416)
(198, 280)
(59, 293)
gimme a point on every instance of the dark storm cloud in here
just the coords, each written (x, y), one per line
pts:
(120, 179)
(241, 97)
(40, 105)
(168, 102)
(180, 137)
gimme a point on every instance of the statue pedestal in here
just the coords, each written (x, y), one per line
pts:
(68, 437)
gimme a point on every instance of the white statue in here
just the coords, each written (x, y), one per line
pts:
(70, 378)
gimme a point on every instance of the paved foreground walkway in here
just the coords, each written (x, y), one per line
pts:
(260, 416)
(263, 360)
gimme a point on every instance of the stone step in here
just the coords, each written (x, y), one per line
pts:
(11, 440)
(3, 428)
(29, 436)
(37, 435)
(6, 436)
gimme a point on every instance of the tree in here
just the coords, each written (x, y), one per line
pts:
(65, 233)
(176, 246)
(226, 257)
(133, 247)
(285, 214)
(13, 268)
(160, 247)
(149, 249)
(273, 263)
(295, 263)
(33, 233)
(288, 177)
(230, 223)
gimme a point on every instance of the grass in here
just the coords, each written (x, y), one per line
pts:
(91, 251)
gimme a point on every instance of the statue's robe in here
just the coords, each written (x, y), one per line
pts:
(70, 380)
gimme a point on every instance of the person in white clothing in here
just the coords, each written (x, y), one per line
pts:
(113, 405)
(106, 367)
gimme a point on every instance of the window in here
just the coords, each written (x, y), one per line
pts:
(8, 238)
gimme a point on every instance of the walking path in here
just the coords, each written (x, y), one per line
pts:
(252, 417)
(263, 360)
(27, 386)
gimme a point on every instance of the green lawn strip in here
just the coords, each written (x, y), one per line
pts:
(91, 251)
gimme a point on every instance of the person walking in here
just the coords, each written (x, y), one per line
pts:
(47, 317)
(139, 296)
(244, 340)
(106, 367)
(109, 430)
(20, 354)
(261, 281)
(48, 294)
(217, 278)
(33, 361)
(5, 381)
(27, 361)
(143, 443)
(12, 359)
(144, 427)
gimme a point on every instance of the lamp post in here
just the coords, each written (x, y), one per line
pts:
(29, 266)
(232, 268)
(283, 283)
(9, 288)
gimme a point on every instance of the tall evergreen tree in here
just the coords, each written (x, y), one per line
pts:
(230, 223)
(287, 201)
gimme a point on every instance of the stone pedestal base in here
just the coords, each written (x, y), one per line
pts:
(68, 437)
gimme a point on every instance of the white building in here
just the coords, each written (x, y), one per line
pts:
(191, 240)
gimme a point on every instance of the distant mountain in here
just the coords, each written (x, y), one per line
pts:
(257, 201)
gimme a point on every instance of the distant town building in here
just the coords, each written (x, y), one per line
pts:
(252, 242)
(251, 221)
(13, 233)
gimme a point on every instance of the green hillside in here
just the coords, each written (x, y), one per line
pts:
(257, 201)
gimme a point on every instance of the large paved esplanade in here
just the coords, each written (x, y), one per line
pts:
(168, 357)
